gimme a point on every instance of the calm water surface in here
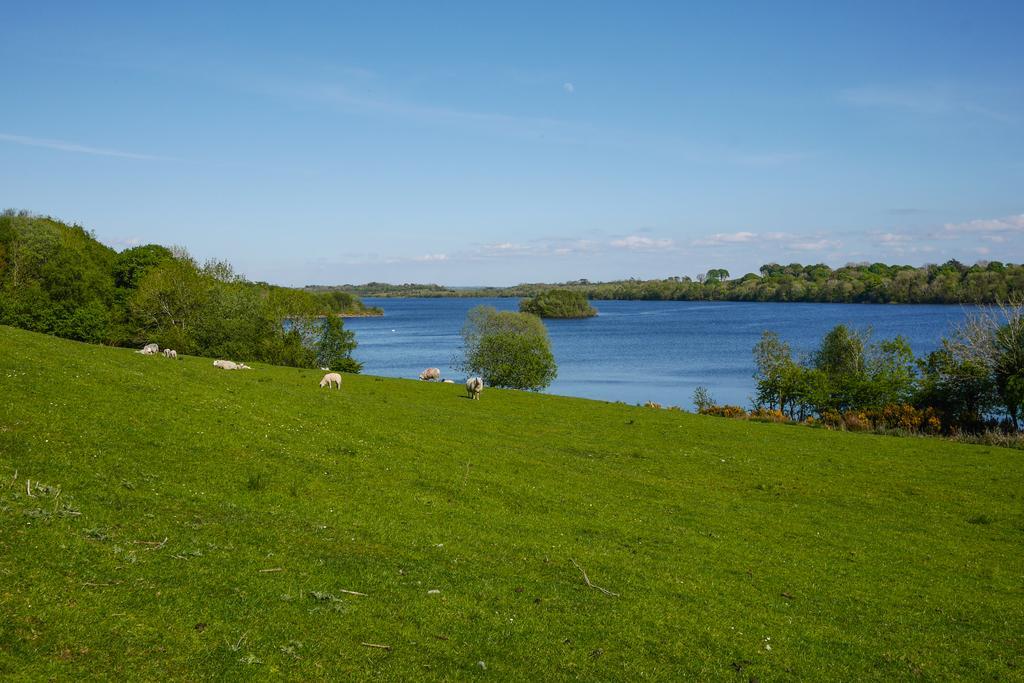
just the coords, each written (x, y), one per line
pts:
(637, 351)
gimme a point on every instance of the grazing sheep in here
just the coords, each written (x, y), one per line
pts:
(331, 379)
(150, 350)
(170, 353)
(474, 385)
(430, 374)
(230, 365)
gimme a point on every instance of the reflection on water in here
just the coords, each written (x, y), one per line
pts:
(636, 351)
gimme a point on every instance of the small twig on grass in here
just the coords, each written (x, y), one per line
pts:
(342, 590)
(586, 579)
(90, 583)
(272, 569)
(28, 488)
(440, 637)
(237, 646)
(153, 545)
(379, 647)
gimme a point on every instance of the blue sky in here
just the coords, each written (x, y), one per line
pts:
(465, 144)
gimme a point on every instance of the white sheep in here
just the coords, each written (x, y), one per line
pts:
(150, 350)
(448, 381)
(474, 385)
(331, 379)
(430, 374)
(230, 365)
(170, 353)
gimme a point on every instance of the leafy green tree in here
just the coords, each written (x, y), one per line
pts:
(772, 356)
(702, 399)
(959, 387)
(507, 349)
(782, 383)
(170, 305)
(1008, 341)
(840, 359)
(132, 264)
(890, 374)
(335, 346)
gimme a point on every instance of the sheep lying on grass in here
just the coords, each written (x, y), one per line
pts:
(331, 379)
(431, 374)
(474, 385)
(230, 365)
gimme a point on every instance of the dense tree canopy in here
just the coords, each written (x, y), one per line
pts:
(507, 349)
(974, 381)
(59, 279)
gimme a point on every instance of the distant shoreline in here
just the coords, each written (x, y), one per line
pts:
(378, 313)
(985, 282)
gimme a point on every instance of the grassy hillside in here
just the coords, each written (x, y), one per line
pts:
(187, 522)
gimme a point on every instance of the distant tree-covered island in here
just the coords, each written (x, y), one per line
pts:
(558, 303)
(951, 282)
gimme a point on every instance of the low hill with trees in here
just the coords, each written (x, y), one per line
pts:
(58, 279)
(558, 303)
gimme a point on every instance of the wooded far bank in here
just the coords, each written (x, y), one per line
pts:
(952, 282)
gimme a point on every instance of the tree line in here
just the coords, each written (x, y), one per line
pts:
(59, 279)
(952, 282)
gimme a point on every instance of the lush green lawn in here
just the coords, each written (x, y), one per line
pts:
(189, 522)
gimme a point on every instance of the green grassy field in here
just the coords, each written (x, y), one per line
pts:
(164, 519)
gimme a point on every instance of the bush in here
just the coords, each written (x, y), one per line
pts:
(507, 349)
(768, 415)
(724, 411)
(856, 422)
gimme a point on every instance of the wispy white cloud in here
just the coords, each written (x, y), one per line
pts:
(568, 87)
(431, 257)
(641, 243)
(347, 98)
(820, 244)
(1007, 224)
(936, 99)
(541, 247)
(723, 238)
(65, 146)
(784, 240)
(892, 238)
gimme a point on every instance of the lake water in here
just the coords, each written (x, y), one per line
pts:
(638, 351)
